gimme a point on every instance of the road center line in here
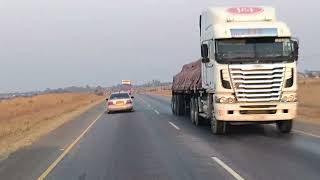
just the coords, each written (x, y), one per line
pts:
(174, 125)
(157, 112)
(227, 168)
(66, 151)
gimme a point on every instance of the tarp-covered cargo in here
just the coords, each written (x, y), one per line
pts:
(189, 78)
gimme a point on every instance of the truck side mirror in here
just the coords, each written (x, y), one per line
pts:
(205, 53)
(295, 49)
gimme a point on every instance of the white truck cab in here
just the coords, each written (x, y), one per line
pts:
(249, 67)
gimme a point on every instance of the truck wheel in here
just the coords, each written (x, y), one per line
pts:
(180, 103)
(177, 103)
(284, 126)
(173, 104)
(186, 106)
(192, 110)
(218, 127)
(197, 120)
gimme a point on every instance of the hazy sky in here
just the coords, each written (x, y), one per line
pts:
(58, 43)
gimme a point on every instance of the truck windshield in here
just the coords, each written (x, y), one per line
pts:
(254, 50)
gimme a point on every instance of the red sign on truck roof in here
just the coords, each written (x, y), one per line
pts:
(245, 10)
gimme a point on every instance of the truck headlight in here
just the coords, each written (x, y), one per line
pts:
(225, 100)
(292, 98)
(231, 100)
(284, 99)
(289, 98)
(222, 100)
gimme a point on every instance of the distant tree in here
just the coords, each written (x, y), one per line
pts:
(99, 91)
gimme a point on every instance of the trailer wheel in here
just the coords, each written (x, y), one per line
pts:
(177, 109)
(192, 110)
(173, 104)
(197, 120)
(180, 103)
(187, 108)
(284, 126)
(218, 127)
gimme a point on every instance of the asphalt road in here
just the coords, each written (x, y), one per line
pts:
(151, 143)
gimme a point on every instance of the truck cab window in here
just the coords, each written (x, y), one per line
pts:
(255, 50)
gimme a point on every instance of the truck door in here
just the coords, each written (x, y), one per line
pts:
(209, 66)
(204, 74)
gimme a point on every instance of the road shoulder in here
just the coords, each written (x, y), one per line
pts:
(32, 160)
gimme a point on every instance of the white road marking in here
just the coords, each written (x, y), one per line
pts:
(300, 132)
(148, 104)
(175, 126)
(227, 168)
(157, 112)
(305, 133)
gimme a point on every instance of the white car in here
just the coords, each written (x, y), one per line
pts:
(120, 101)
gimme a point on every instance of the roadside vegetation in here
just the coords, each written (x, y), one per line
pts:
(24, 119)
(309, 100)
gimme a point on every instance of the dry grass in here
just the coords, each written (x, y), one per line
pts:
(22, 120)
(308, 95)
(309, 100)
(161, 91)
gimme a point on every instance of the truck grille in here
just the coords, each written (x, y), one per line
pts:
(257, 82)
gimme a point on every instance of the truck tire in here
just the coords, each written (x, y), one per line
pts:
(284, 126)
(197, 120)
(173, 104)
(192, 110)
(218, 127)
(180, 105)
(177, 105)
(187, 106)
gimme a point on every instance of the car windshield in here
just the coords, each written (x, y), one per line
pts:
(254, 50)
(120, 96)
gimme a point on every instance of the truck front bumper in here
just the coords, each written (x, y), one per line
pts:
(255, 112)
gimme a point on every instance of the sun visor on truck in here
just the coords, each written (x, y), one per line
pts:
(254, 32)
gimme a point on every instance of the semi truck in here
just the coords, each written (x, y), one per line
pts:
(126, 86)
(247, 72)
